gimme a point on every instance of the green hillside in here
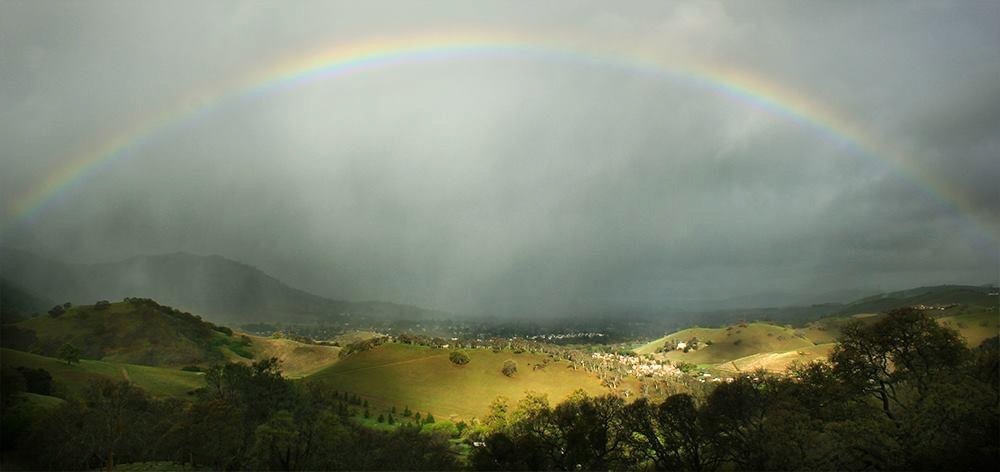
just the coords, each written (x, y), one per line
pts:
(73, 379)
(423, 379)
(730, 343)
(138, 331)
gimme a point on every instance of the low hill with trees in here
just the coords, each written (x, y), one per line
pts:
(136, 331)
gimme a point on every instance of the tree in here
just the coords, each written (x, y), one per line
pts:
(56, 311)
(896, 358)
(458, 358)
(69, 353)
(509, 368)
(102, 305)
(671, 434)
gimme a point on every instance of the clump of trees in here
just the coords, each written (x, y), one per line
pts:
(458, 358)
(363, 345)
(248, 417)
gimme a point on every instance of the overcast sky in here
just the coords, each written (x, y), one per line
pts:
(515, 183)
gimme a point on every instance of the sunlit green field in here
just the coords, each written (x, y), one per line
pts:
(423, 379)
(73, 379)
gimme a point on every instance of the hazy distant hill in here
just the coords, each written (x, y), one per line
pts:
(17, 303)
(213, 286)
(933, 295)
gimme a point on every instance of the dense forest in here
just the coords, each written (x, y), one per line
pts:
(899, 393)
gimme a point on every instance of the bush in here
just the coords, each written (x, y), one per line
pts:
(102, 305)
(509, 368)
(36, 380)
(458, 358)
(191, 368)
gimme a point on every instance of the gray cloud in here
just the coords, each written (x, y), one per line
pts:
(513, 184)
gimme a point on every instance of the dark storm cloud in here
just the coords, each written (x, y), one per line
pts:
(518, 185)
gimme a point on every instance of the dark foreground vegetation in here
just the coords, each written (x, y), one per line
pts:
(900, 393)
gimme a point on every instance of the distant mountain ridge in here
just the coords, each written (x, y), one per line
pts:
(930, 295)
(214, 286)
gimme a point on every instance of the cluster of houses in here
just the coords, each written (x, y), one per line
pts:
(934, 307)
(637, 366)
(565, 336)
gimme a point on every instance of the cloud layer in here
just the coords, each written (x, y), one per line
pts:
(513, 184)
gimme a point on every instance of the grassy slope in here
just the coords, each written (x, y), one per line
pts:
(132, 334)
(730, 343)
(70, 379)
(812, 342)
(297, 359)
(425, 380)
(974, 327)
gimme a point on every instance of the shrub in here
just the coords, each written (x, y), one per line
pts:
(458, 358)
(509, 368)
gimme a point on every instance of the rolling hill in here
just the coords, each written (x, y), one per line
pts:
(730, 343)
(748, 346)
(138, 331)
(423, 379)
(218, 288)
(141, 331)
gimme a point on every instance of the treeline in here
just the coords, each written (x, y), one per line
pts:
(901, 393)
(248, 417)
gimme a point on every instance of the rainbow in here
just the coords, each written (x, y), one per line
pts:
(340, 59)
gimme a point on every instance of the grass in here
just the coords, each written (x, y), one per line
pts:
(778, 361)
(731, 343)
(424, 380)
(776, 348)
(74, 379)
(297, 359)
(134, 334)
(974, 327)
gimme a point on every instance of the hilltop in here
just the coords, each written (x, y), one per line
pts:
(136, 331)
(216, 287)
(143, 332)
